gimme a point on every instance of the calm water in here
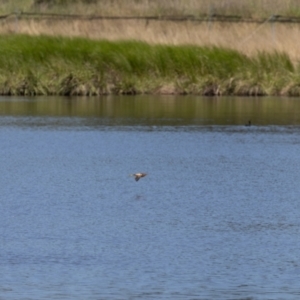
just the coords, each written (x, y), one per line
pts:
(217, 217)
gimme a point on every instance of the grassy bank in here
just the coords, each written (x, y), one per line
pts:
(62, 66)
(245, 37)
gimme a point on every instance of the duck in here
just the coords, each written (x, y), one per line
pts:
(137, 176)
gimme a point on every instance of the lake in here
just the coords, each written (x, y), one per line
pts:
(217, 216)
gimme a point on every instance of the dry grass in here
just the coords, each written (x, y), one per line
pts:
(261, 76)
(248, 38)
(254, 8)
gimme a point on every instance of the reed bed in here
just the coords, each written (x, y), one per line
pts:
(57, 56)
(247, 38)
(43, 65)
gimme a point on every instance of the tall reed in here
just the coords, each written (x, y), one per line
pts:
(76, 66)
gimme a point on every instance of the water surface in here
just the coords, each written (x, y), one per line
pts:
(217, 217)
(159, 110)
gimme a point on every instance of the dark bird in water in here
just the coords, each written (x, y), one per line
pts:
(249, 123)
(137, 176)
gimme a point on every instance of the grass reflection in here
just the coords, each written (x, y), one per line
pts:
(161, 109)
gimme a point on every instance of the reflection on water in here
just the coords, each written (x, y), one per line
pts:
(217, 217)
(160, 110)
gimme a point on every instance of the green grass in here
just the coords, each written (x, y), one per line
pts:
(76, 66)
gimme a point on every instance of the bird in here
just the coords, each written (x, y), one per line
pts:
(249, 123)
(137, 176)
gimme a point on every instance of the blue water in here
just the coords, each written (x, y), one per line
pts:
(217, 217)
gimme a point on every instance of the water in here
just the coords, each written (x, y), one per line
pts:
(217, 217)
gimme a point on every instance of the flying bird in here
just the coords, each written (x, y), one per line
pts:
(137, 176)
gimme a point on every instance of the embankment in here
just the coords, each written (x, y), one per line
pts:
(43, 65)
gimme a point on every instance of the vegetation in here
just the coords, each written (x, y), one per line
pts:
(69, 56)
(249, 8)
(246, 37)
(46, 65)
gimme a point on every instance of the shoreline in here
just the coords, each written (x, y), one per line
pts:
(44, 65)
